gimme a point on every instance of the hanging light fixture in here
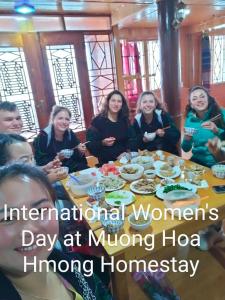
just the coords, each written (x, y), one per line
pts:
(181, 13)
(24, 7)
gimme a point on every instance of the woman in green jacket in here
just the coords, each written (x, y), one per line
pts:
(204, 121)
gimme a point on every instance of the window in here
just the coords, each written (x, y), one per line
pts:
(15, 86)
(217, 45)
(101, 67)
(65, 82)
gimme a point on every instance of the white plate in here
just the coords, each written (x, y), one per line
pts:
(133, 189)
(121, 184)
(93, 172)
(160, 194)
(158, 164)
(121, 197)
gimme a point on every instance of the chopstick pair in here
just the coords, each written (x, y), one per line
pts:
(215, 118)
(81, 143)
(164, 128)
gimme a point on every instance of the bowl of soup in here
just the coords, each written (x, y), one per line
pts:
(131, 172)
(85, 182)
(140, 222)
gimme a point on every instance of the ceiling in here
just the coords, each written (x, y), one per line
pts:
(125, 13)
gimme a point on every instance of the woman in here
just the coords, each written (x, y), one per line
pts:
(14, 147)
(153, 125)
(56, 137)
(23, 186)
(110, 134)
(200, 125)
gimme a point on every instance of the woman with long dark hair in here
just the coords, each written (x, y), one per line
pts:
(205, 120)
(154, 127)
(110, 133)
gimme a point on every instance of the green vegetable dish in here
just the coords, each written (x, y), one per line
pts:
(175, 187)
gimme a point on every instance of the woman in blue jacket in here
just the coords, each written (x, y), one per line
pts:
(204, 121)
(154, 127)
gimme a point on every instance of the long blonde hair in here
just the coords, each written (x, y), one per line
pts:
(159, 105)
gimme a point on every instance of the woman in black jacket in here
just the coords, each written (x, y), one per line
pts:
(153, 125)
(110, 134)
(22, 275)
(58, 136)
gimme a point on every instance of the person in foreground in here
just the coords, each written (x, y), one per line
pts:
(205, 120)
(110, 134)
(23, 185)
(154, 127)
(58, 136)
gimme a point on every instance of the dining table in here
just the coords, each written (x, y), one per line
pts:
(166, 225)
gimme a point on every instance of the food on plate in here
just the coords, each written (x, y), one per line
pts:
(112, 183)
(145, 185)
(197, 169)
(166, 170)
(129, 170)
(174, 187)
(139, 221)
(106, 169)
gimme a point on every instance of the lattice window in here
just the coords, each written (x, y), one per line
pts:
(217, 45)
(101, 67)
(65, 82)
(15, 86)
(154, 64)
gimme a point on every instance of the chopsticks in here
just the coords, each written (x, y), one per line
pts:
(82, 144)
(215, 118)
(164, 128)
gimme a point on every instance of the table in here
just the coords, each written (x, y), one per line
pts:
(119, 252)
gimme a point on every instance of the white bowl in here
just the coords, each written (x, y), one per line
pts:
(179, 209)
(131, 177)
(190, 130)
(150, 136)
(150, 174)
(81, 189)
(145, 224)
(219, 171)
(145, 161)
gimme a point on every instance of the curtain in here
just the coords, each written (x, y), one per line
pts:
(206, 62)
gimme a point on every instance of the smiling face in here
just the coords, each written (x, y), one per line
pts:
(115, 104)
(148, 104)
(10, 122)
(18, 192)
(21, 151)
(61, 121)
(199, 100)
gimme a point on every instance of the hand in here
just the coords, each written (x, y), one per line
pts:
(81, 148)
(214, 147)
(108, 141)
(56, 163)
(57, 174)
(188, 136)
(160, 132)
(210, 125)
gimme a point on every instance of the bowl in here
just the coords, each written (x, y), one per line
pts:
(143, 221)
(150, 174)
(150, 136)
(111, 225)
(178, 201)
(66, 153)
(218, 171)
(145, 161)
(126, 172)
(190, 130)
(86, 181)
(97, 192)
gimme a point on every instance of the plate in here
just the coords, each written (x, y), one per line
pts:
(121, 197)
(160, 194)
(91, 171)
(158, 164)
(112, 183)
(139, 191)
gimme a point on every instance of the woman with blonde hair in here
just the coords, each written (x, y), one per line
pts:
(154, 127)
(58, 136)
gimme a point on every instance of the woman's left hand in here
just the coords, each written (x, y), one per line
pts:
(210, 125)
(160, 132)
(82, 148)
